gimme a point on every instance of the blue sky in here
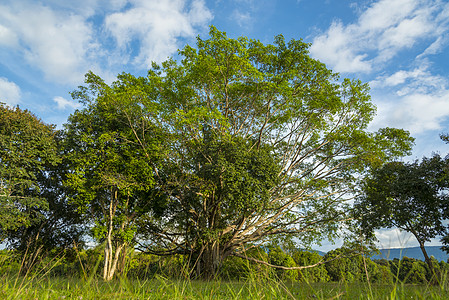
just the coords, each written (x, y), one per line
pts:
(401, 47)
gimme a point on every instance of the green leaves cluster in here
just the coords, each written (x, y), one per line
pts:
(27, 148)
(409, 196)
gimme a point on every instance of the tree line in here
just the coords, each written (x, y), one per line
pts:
(348, 268)
(234, 146)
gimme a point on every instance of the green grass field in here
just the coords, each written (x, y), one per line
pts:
(14, 287)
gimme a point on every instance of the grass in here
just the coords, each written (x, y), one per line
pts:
(42, 285)
(13, 287)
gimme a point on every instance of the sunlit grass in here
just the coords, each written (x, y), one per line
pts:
(163, 288)
(41, 284)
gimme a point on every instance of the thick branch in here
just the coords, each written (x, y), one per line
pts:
(286, 268)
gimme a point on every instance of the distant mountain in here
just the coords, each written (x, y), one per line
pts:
(316, 251)
(412, 252)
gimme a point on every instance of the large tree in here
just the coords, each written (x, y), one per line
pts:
(261, 142)
(28, 150)
(409, 196)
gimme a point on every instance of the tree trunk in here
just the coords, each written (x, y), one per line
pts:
(122, 261)
(434, 278)
(106, 261)
(111, 258)
(208, 261)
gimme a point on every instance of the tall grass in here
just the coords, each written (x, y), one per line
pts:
(41, 284)
(164, 288)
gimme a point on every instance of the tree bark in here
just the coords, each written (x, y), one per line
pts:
(434, 279)
(208, 261)
(110, 258)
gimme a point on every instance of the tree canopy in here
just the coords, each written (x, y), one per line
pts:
(410, 196)
(259, 142)
(112, 151)
(27, 149)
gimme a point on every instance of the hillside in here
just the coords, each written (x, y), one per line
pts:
(412, 252)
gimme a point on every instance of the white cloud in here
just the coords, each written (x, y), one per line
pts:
(9, 92)
(56, 42)
(396, 238)
(7, 37)
(423, 112)
(435, 47)
(336, 49)
(243, 19)
(64, 40)
(384, 14)
(157, 25)
(413, 97)
(380, 33)
(414, 100)
(64, 103)
(401, 77)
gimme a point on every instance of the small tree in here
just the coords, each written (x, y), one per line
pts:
(61, 226)
(410, 196)
(410, 270)
(344, 265)
(113, 150)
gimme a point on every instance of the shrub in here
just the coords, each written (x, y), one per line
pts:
(307, 258)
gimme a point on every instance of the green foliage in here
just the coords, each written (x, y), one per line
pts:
(61, 226)
(236, 268)
(27, 150)
(263, 141)
(278, 257)
(113, 148)
(48, 286)
(308, 258)
(409, 270)
(347, 265)
(345, 268)
(239, 143)
(409, 196)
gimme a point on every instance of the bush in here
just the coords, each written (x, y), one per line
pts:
(409, 270)
(351, 267)
(315, 274)
(239, 268)
(278, 257)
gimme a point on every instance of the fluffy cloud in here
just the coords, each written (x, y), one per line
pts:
(55, 42)
(157, 26)
(396, 39)
(381, 32)
(64, 103)
(64, 41)
(396, 238)
(336, 49)
(415, 100)
(9, 92)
